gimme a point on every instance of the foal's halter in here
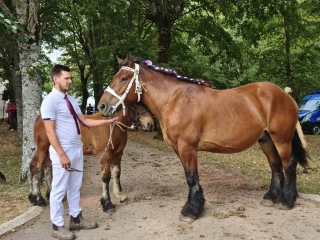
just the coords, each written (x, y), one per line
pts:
(138, 90)
(138, 115)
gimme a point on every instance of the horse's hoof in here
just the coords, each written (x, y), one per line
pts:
(37, 201)
(187, 219)
(267, 203)
(280, 206)
(41, 202)
(32, 199)
(124, 199)
(110, 210)
(107, 206)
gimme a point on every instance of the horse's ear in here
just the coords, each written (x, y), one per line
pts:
(119, 60)
(129, 59)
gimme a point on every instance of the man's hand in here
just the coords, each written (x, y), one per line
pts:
(96, 122)
(65, 162)
(112, 120)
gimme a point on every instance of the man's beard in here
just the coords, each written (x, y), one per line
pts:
(63, 88)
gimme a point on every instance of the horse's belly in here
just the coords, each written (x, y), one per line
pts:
(227, 146)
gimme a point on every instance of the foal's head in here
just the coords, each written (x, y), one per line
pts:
(140, 115)
(121, 90)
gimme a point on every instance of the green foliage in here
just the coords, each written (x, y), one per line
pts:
(228, 43)
(9, 26)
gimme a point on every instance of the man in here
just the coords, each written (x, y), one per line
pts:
(89, 109)
(61, 116)
(12, 115)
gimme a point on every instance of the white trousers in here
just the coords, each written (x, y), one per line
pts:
(63, 182)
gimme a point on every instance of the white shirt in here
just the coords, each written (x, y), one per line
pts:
(54, 107)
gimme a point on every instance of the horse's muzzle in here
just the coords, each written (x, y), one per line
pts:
(106, 110)
(147, 128)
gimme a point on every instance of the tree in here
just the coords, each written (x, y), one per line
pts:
(29, 55)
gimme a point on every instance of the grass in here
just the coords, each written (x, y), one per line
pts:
(14, 195)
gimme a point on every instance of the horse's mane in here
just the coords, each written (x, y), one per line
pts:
(166, 71)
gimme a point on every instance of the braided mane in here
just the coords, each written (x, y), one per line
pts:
(174, 73)
(148, 63)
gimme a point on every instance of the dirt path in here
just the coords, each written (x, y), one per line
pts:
(154, 181)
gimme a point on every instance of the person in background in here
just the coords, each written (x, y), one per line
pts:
(61, 116)
(89, 109)
(12, 115)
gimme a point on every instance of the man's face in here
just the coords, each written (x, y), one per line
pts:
(63, 81)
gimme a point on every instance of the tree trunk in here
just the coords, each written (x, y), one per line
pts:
(288, 53)
(17, 83)
(97, 74)
(97, 85)
(164, 14)
(85, 93)
(31, 96)
(165, 36)
(29, 52)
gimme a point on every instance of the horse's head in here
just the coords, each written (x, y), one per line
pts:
(123, 90)
(140, 114)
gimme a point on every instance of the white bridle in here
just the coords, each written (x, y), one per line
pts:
(138, 90)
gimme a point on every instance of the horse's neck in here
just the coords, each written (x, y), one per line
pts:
(159, 92)
(124, 119)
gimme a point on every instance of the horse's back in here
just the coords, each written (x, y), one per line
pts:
(246, 111)
(262, 100)
(40, 135)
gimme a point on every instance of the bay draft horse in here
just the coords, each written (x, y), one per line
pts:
(95, 141)
(197, 118)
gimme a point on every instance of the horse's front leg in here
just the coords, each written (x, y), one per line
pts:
(35, 178)
(116, 172)
(195, 204)
(106, 203)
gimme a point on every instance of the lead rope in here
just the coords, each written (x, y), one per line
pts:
(110, 137)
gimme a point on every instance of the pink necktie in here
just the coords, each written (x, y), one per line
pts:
(74, 114)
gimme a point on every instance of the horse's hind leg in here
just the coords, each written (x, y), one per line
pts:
(47, 166)
(106, 203)
(277, 178)
(36, 175)
(289, 192)
(115, 173)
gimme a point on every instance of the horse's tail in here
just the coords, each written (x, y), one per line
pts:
(299, 147)
(301, 135)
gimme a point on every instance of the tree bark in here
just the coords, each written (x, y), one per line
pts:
(17, 83)
(29, 53)
(31, 102)
(288, 53)
(164, 15)
(165, 37)
(85, 93)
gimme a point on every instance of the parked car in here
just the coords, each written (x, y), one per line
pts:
(309, 113)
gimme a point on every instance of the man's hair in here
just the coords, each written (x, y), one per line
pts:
(57, 69)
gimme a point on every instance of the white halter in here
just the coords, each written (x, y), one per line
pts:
(138, 90)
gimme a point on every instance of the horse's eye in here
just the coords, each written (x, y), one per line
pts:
(123, 79)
